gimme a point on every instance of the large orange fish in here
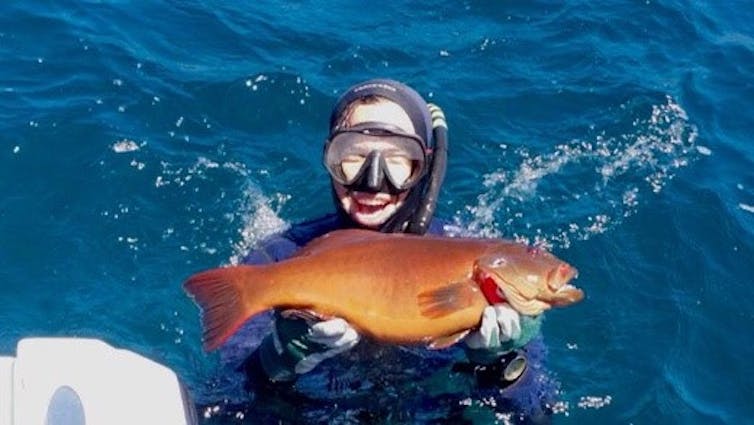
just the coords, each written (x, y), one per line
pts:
(396, 288)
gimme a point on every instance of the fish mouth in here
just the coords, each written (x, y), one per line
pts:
(566, 294)
(559, 277)
(565, 288)
(570, 292)
(562, 292)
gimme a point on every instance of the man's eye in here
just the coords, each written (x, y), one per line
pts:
(351, 166)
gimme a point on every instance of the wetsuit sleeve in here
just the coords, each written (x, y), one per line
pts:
(439, 227)
(274, 249)
(267, 366)
(282, 246)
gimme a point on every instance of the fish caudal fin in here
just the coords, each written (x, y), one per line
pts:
(218, 292)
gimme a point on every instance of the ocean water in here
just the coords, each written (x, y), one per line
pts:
(143, 141)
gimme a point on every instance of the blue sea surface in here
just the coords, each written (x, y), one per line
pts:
(141, 142)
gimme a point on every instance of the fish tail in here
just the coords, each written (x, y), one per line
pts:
(220, 296)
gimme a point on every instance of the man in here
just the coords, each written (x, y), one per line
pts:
(386, 164)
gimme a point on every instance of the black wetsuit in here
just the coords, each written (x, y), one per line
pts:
(374, 383)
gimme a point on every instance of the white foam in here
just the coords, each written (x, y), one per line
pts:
(594, 402)
(560, 408)
(260, 218)
(125, 145)
(704, 150)
(599, 181)
(223, 212)
(746, 207)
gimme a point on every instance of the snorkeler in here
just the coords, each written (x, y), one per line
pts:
(386, 159)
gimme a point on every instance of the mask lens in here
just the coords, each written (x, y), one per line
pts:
(347, 156)
(399, 168)
(351, 166)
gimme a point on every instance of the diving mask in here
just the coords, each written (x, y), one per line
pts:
(375, 157)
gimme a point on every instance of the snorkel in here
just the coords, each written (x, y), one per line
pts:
(420, 221)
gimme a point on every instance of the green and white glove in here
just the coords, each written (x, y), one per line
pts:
(297, 345)
(502, 329)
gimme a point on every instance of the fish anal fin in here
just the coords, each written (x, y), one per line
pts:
(439, 302)
(308, 315)
(447, 341)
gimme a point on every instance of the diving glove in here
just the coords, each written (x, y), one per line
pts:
(502, 329)
(299, 342)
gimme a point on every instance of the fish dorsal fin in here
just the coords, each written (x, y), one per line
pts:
(439, 302)
(447, 341)
(338, 238)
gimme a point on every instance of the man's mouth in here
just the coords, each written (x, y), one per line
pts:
(370, 209)
(370, 203)
(369, 206)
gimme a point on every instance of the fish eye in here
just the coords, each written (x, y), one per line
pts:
(498, 262)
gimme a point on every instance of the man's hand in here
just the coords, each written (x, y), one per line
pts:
(299, 343)
(500, 324)
(334, 335)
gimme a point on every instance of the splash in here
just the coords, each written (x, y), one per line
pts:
(594, 402)
(260, 215)
(256, 212)
(583, 187)
(125, 145)
(221, 212)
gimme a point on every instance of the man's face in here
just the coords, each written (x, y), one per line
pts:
(373, 209)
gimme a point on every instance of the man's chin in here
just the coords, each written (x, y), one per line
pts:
(371, 220)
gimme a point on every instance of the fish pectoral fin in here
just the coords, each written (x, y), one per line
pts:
(447, 341)
(439, 302)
